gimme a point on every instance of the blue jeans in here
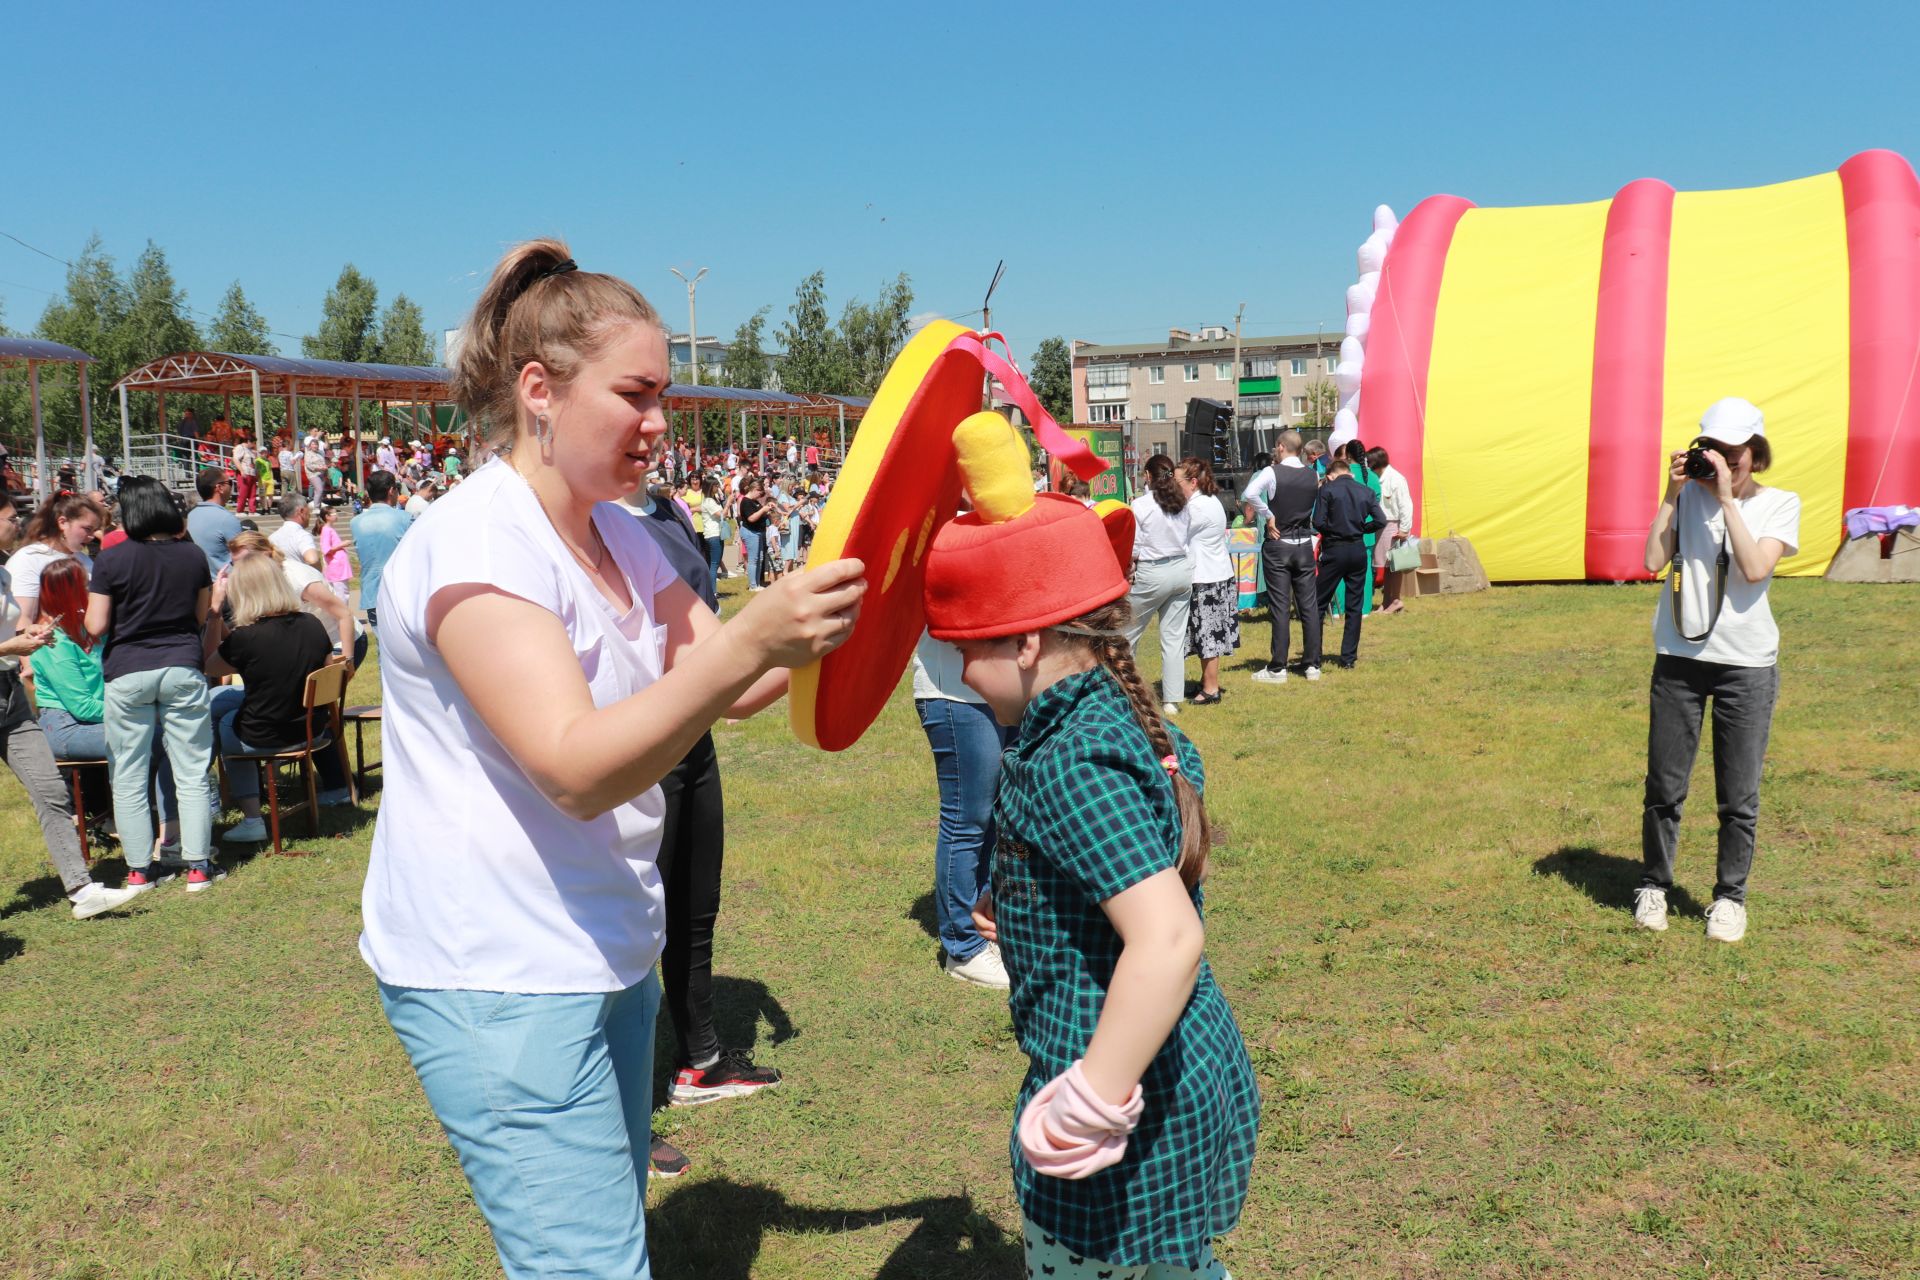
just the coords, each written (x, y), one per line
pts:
(966, 762)
(716, 554)
(243, 776)
(77, 740)
(756, 548)
(547, 1100)
(172, 700)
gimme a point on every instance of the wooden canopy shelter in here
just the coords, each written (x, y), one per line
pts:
(33, 352)
(743, 401)
(223, 374)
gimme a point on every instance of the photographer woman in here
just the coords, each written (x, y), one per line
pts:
(1714, 638)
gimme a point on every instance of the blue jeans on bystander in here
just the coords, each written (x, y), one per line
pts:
(966, 746)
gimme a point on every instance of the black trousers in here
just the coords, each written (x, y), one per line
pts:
(1344, 562)
(692, 840)
(1288, 568)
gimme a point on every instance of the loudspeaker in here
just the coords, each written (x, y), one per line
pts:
(1209, 432)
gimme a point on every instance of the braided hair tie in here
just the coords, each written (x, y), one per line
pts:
(1170, 763)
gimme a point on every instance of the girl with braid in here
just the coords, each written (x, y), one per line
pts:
(1135, 1126)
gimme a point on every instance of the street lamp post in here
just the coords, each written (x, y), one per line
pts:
(693, 327)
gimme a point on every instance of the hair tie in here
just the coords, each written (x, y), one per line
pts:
(557, 269)
(1170, 763)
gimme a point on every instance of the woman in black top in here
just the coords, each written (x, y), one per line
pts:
(274, 646)
(149, 597)
(754, 512)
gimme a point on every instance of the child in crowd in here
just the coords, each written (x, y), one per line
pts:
(335, 564)
(1136, 1123)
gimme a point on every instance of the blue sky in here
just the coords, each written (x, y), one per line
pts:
(1138, 166)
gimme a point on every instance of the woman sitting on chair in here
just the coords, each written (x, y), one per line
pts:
(274, 646)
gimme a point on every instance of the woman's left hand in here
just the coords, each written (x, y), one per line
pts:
(1722, 475)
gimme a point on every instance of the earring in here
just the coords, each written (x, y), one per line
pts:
(543, 430)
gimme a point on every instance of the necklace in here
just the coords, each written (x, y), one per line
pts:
(600, 544)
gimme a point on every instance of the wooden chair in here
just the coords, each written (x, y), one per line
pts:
(72, 769)
(325, 693)
(360, 718)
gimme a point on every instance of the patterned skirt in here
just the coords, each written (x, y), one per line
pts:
(1213, 623)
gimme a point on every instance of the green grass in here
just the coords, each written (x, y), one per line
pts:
(1472, 1065)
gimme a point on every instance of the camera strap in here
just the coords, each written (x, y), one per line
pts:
(1719, 587)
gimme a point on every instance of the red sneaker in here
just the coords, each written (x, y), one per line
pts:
(733, 1076)
(198, 880)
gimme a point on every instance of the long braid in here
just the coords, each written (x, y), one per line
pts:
(1116, 655)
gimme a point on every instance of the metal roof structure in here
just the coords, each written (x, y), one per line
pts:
(220, 372)
(23, 350)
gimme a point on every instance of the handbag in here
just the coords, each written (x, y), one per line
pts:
(1404, 555)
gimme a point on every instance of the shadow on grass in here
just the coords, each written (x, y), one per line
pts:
(41, 891)
(10, 947)
(1608, 879)
(714, 1229)
(922, 914)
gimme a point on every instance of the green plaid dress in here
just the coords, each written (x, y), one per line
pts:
(1084, 811)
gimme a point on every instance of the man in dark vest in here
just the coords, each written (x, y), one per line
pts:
(1280, 500)
(1345, 512)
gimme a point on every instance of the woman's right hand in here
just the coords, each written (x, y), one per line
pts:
(804, 616)
(35, 636)
(1676, 473)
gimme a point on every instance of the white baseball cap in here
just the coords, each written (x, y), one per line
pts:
(1733, 421)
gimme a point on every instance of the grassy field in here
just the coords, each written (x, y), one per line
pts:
(1472, 1064)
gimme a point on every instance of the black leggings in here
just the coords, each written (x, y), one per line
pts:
(692, 841)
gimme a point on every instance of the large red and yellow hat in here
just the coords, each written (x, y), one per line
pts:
(901, 484)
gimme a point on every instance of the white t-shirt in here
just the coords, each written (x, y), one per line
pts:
(300, 576)
(1208, 523)
(287, 459)
(417, 505)
(29, 562)
(1157, 535)
(1745, 635)
(477, 882)
(1396, 498)
(294, 542)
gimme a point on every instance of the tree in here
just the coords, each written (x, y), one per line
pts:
(1052, 378)
(1323, 401)
(816, 358)
(873, 335)
(238, 329)
(747, 363)
(403, 334)
(91, 315)
(349, 328)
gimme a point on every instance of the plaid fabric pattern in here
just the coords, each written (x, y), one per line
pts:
(1084, 811)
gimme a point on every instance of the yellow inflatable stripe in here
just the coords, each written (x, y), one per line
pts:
(1510, 386)
(1757, 306)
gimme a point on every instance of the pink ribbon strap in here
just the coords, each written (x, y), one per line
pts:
(1069, 1131)
(1070, 451)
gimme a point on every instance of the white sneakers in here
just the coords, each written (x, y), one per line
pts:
(1650, 908)
(246, 831)
(1312, 673)
(1169, 709)
(95, 898)
(1264, 676)
(983, 968)
(1726, 921)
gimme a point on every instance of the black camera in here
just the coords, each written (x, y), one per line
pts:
(1698, 466)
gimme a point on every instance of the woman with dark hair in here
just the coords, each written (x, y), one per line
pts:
(1358, 468)
(149, 597)
(713, 523)
(1163, 575)
(1213, 630)
(26, 748)
(756, 510)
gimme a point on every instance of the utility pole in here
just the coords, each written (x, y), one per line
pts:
(1235, 442)
(693, 327)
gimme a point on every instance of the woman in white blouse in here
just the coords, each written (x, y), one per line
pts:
(1163, 575)
(543, 668)
(1213, 627)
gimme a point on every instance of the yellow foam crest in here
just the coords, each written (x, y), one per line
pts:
(998, 468)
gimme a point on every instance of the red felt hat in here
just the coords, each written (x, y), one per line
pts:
(1048, 565)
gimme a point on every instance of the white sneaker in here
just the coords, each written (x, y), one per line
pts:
(983, 968)
(1312, 673)
(246, 831)
(1264, 676)
(1169, 709)
(95, 898)
(1650, 908)
(1726, 921)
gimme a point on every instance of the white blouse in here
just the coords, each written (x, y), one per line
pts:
(477, 881)
(1208, 522)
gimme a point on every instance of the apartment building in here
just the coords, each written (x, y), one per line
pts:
(1141, 384)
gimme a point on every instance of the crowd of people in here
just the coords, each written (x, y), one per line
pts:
(539, 886)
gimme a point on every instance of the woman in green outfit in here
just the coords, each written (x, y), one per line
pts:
(1356, 455)
(1136, 1122)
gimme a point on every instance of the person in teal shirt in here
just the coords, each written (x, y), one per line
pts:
(376, 532)
(1356, 455)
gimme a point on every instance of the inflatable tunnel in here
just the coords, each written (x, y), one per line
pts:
(1529, 369)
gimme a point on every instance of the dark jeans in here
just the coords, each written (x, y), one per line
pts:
(716, 554)
(1743, 699)
(1288, 568)
(692, 842)
(966, 746)
(1344, 562)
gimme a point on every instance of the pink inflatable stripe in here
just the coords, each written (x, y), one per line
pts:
(1624, 475)
(1882, 199)
(1393, 385)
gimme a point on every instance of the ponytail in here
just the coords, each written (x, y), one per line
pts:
(1110, 648)
(537, 307)
(1166, 491)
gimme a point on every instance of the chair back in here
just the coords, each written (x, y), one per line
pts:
(326, 690)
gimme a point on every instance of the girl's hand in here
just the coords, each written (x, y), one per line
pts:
(1722, 475)
(219, 596)
(984, 922)
(1676, 473)
(804, 617)
(35, 637)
